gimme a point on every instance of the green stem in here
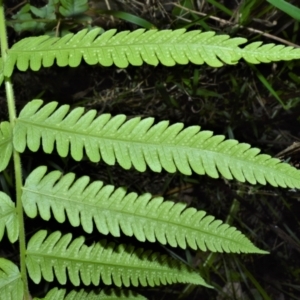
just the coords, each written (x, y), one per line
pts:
(16, 155)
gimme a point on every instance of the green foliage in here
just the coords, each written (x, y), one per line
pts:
(286, 7)
(43, 19)
(138, 143)
(46, 12)
(6, 146)
(255, 53)
(11, 285)
(146, 218)
(166, 46)
(71, 8)
(23, 20)
(152, 47)
(104, 294)
(101, 262)
(8, 218)
(129, 18)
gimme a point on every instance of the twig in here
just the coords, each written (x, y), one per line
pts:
(109, 8)
(222, 21)
(10, 10)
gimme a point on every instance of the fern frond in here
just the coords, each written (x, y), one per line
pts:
(8, 218)
(6, 145)
(152, 47)
(144, 217)
(70, 8)
(139, 143)
(256, 53)
(103, 294)
(102, 261)
(11, 285)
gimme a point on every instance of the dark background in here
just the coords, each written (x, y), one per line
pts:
(230, 100)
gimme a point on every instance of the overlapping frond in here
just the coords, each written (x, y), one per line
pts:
(113, 210)
(6, 145)
(103, 294)
(11, 285)
(139, 143)
(152, 47)
(101, 262)
(8, 218)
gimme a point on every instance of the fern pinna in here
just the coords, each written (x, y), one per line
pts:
(132, 143)
(168, 47)
(144, 217)
(139, 143)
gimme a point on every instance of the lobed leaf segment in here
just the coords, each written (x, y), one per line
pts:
(8, 218)
(112, 210)
(11, 285)
(6, 146)
(121, 265)
(168, 47)
(139, 143)
(103, 294)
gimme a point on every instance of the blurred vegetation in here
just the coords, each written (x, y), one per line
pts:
(259, 105)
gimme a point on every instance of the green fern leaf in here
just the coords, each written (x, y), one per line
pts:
(152, 47)
(6, 145)
(144, 217)
(71, 8)
(11, 285)
(104, 294)
(256, 53)
(23, 20)
(46, 12)
(139, 143)
(102, 261)
(8, 218)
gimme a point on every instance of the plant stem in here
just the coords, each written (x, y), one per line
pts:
(16, 155)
